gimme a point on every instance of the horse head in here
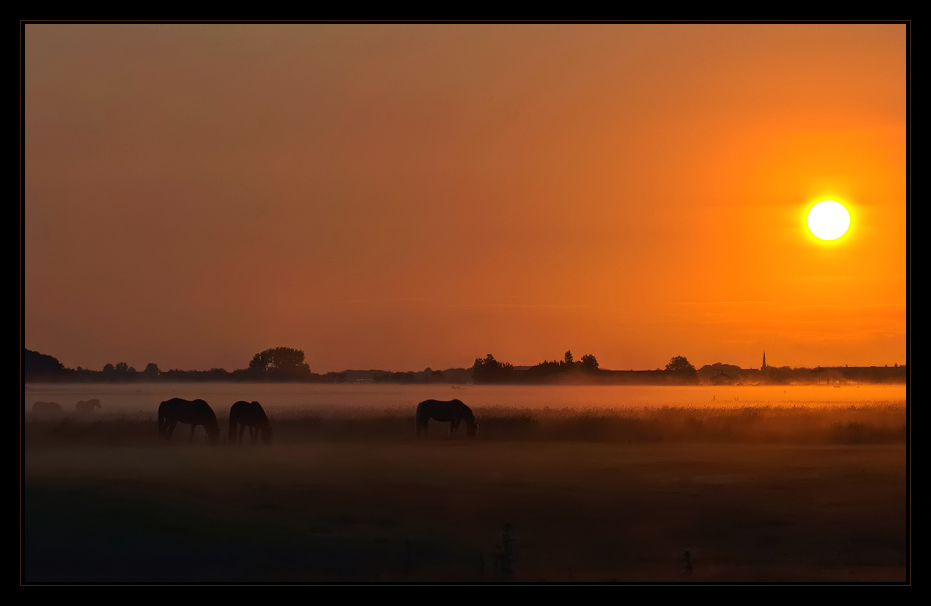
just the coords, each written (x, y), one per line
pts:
(469, 418)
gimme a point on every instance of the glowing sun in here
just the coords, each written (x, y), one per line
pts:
(828, 220)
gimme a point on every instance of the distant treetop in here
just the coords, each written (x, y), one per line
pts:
(679, 364)
(280, 362)
(37, 363)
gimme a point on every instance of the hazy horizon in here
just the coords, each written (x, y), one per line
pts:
(517, 366)
(397, 197)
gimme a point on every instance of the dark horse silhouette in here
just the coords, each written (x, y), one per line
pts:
(196, 412)
(88, 406)
(451, 411)
(249, 414)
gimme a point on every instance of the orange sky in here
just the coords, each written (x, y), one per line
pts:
(404, 196)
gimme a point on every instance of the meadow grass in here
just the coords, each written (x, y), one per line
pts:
(880, 423)
(768, 494)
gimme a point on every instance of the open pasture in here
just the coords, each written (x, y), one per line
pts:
(765, 494)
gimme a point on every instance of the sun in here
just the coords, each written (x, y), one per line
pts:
(828, 220)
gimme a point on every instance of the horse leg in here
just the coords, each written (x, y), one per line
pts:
(242, 428)
(193, 427)
(171, 429)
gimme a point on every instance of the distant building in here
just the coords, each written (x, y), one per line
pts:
(763, 367)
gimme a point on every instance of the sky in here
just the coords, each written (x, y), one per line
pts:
(409, 196)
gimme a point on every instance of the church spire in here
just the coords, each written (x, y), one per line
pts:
(764, 360)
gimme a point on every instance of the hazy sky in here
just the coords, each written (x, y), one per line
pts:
(404, 196)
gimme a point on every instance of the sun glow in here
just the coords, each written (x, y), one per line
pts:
(828, 220)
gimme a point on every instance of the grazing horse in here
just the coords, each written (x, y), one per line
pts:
(194, 412)
(46, 409)
(452, 412)
(88, 406)
(249, 414)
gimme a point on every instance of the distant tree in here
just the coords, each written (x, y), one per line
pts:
(35, 363)
(122, 367)
(568, 358)
(490, 370)
(589, 362)
(108, 368)
(260, 361)
(679, 364)
(151, 370)
(280, 363)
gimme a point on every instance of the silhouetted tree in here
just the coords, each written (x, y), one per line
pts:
(679, 364)
(151, 370)
(108, 368)
(684, 372)
(589, 362)
(122, 367)
(490, 370)
(260, 361)
(36, 363)
(568, 358)
(280, 363)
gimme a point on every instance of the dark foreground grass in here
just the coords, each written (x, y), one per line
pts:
(328, 504)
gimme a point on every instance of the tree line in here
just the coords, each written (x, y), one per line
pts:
(275, 364)
(586, 369)
(278, 364)
(283, 364)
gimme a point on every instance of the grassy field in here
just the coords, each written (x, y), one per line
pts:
(765, 495)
